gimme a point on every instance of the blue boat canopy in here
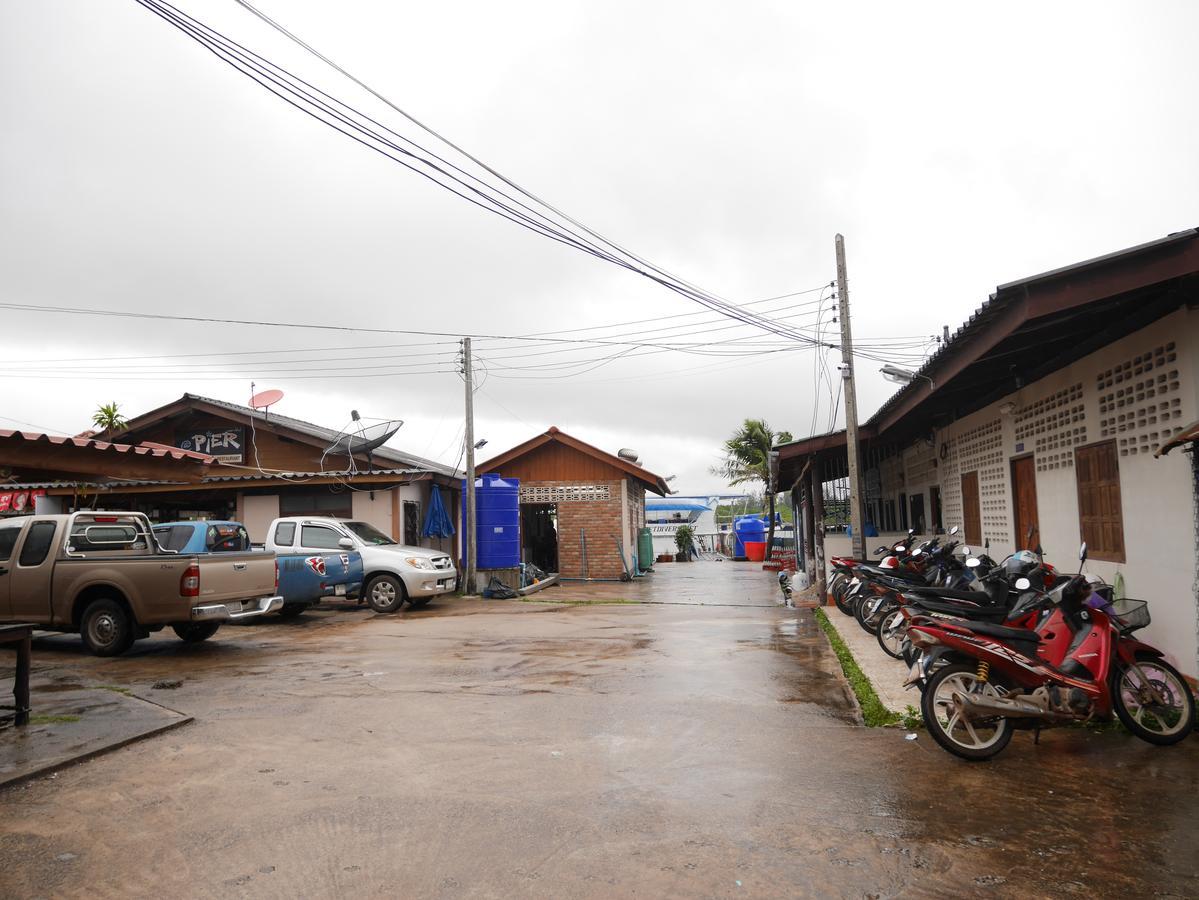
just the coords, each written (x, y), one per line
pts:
(688, 507)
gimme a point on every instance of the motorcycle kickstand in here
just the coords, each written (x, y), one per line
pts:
(1036, 735)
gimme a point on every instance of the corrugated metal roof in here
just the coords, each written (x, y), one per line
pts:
(152, 450)
(112, 485)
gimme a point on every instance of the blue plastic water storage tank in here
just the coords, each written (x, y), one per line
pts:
(497, 509)
(747, 528)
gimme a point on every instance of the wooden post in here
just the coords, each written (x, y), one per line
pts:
(817, 493)
(20, 691)
(471, 528)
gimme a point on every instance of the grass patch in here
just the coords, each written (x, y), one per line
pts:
(52, 720)
(873, 711)
(578, 602)
(114, 688)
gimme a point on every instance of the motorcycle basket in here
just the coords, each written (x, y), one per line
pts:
(1131, 615)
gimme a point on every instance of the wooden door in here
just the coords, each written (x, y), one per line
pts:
(972, 521)
(1024, 493)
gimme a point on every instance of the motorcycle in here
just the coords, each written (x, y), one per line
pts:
(1080, 663)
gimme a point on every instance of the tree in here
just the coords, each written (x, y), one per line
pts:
(108, 418)
(747, 460)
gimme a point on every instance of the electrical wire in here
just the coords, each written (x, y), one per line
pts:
(276, 79)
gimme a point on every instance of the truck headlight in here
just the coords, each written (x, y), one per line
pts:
(419, 563)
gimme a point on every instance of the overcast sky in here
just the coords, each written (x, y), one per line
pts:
(956, 146)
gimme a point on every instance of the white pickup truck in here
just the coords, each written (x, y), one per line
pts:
(392, 573)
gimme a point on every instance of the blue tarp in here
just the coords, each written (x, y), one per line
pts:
(437, 522)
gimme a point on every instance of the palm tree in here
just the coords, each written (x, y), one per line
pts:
(108, 418)
(747, 460)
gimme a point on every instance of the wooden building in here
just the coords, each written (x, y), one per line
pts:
(262, 466)
(581, 507)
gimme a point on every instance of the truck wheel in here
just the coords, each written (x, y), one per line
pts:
(385, 593)
(194, 632)
(291, 610)
(106, 628)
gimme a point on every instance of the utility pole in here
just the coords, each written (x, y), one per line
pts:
(471, 529)
(851, 408)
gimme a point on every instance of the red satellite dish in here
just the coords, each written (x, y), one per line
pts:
(265, 399)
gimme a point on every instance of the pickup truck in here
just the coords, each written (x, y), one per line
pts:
(304, 578)
(104, 576)
(392, 572)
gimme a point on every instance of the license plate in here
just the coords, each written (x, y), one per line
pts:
(443, 582)
(339, 590)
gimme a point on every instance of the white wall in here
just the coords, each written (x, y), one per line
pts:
(1078, 406)
(373, 507)
(258, 511)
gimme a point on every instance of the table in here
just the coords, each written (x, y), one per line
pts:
(22, 635)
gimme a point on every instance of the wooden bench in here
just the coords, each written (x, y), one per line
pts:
(22, 636)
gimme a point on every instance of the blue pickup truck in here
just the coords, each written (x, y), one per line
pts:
(304, 578)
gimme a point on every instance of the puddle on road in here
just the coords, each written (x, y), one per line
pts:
(809, 676)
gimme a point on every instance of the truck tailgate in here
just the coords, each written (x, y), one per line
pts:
(236, 576)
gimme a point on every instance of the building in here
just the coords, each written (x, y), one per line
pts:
(61, 459)
(1041, 422)
(581, 507)
(261, 466)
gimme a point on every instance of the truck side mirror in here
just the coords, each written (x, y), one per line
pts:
(345, 544)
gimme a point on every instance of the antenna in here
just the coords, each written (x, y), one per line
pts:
(265, 400)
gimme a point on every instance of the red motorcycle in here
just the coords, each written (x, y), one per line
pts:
(1080, 663)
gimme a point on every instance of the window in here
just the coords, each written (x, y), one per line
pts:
(37, 543)
(411, 523)
(226, 539)
(1100, 514)
(285, 533)
(174, 537)
(8, 540)
(368, 533)
(319, 537)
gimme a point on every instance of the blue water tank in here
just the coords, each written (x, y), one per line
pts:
(497, 509)
(747, 528)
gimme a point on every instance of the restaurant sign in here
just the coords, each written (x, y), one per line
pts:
(226, 444)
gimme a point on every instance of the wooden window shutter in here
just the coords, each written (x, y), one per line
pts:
(1100, 513)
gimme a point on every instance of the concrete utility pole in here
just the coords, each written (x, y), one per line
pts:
(471, 530)
(851, 408)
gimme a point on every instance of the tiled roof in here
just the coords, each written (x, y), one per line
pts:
(150, 450)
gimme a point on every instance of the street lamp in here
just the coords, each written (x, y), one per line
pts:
(481, 442)
(903, 376)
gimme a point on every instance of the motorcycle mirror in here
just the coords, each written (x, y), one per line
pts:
(1023, 584)
(911, 532)
(882, 549)
(987, 544)
(953, 530)
(1082, 552)
(973, 562)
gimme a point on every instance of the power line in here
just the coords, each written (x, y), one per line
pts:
(255, 66)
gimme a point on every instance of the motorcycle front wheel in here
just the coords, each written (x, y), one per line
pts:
(892, 629)
(1153, 700)
(972, 739)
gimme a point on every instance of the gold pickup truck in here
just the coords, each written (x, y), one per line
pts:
(104, 576)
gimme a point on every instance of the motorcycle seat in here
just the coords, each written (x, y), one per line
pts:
(950, 608)
(1005, 632)
(891, 573)
(951, 594)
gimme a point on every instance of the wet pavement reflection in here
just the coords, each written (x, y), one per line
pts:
(680, 736)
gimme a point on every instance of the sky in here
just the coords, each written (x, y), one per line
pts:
(955, 146)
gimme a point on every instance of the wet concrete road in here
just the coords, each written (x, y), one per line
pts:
(517, 749)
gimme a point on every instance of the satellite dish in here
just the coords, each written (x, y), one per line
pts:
(265, 399)
(366, 438)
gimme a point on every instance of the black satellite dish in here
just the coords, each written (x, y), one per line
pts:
(364, 439)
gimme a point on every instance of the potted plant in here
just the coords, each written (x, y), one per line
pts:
(684, 540)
